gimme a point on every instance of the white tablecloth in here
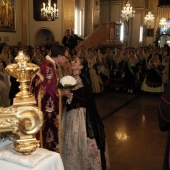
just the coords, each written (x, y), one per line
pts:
(53, 162)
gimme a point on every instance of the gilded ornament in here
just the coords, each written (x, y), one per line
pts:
(23, 119)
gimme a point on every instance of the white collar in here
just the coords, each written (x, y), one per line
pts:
(50, 59)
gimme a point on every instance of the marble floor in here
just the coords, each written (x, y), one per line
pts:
(131, 126)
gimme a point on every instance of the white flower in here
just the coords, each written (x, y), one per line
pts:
(68, 81)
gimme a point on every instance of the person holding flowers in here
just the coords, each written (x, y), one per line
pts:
(83, 140)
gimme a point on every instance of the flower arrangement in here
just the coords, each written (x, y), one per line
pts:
(67, 82)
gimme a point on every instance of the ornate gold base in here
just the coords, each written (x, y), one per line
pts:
(18, 101)
(26, 146)
(23, 119)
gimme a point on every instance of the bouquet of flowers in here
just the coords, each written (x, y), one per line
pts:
(67, 82)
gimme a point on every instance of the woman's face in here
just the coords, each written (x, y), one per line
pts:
(6, 49)
(131, 54)
(76, 62)
(156, 56)
(38, 51)
(16, 50)
(82, 55)
(91, 55)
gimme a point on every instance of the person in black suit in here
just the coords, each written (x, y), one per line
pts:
(66, 39)
(74, 39)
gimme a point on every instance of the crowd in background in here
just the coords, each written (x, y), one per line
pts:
(124, 69)
(127, 69)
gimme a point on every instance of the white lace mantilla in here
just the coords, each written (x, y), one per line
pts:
(79, 84)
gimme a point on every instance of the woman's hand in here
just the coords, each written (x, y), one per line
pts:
(67, 93)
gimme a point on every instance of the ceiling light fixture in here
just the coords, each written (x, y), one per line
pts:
(48, 12)
(149, 18)
(127, 12)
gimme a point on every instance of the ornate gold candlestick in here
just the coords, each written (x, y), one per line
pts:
(23, 118)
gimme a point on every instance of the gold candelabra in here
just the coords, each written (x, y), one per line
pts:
(23, 119)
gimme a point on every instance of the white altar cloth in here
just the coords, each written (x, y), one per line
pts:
(52, 162)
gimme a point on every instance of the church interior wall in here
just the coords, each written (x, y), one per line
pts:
(56, 26)
(12, 38)
(109, 11)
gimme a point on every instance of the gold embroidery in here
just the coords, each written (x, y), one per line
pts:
(50, 105)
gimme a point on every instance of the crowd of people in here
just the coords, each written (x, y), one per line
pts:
(95, 70)
(127, 69)
(83, 133)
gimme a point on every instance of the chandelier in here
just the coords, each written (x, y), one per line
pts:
(163, 25)
(127, 12)
(162, 22)
(48, 12)
(149, 18)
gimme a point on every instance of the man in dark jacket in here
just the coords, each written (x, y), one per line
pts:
(74, 39)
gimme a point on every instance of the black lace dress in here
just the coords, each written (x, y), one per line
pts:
(83, 142)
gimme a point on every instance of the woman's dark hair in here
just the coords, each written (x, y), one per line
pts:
(4, 64)
(82, 60)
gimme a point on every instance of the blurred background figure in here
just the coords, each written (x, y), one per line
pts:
(37, 58)
(6, 56)
(74, 39)
(66, 39)
(48, 44)
(4, 87)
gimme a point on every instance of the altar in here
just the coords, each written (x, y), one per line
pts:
(41, 159)
(19, 148)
